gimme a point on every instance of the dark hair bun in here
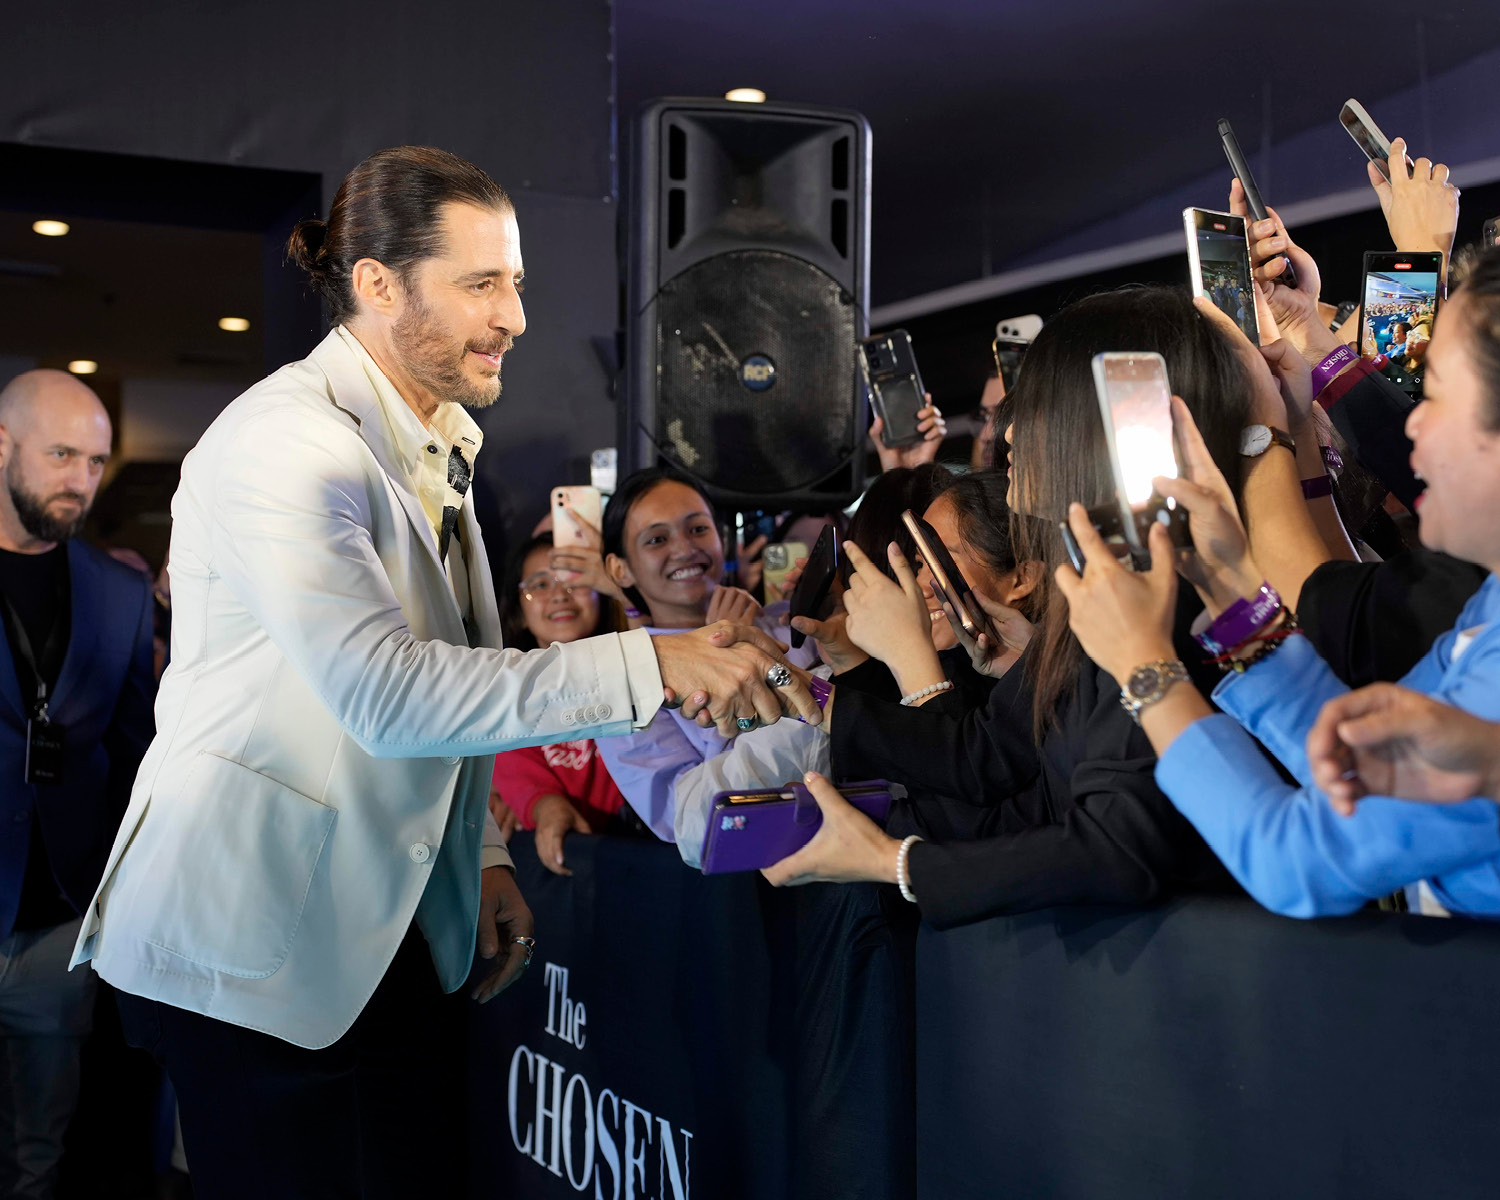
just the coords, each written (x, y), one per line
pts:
(306, 247)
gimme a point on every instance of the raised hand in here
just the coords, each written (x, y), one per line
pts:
(848, 847)
(1294, 310)
(930, 424)
(1012, 629)
(1387, 740)
(1421, 208)
(555, 818)
(584, 565)
(732, 604)
(832, 636)
(889, 619)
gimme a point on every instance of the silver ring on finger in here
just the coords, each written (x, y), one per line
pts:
(779, 676)
(746, 724)
(529, 944)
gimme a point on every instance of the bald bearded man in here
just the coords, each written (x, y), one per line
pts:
(76, 689)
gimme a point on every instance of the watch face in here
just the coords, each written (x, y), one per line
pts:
(1255, 440)
(1143, 682)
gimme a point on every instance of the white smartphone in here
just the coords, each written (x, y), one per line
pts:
(1135, 403)
(1367, 136)
(1220, 258)
(572, 509)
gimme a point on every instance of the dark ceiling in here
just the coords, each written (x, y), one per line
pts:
(1001, 125)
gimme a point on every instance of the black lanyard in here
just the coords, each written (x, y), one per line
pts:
(51, 651)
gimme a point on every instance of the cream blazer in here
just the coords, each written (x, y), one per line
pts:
(325, 735)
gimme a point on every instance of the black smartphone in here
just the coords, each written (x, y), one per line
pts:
(1253, 199)
(1398, 304)
(1135, 404)
(810, 596)
(1009, 353)
(1220, 258)
(895, 386)
(1367, 136)
(1070, 544)
(966, 615)
(1491, 236)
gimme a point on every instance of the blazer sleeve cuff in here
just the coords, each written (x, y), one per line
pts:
(643, 674)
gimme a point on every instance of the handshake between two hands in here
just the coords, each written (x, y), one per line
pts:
(727, 673)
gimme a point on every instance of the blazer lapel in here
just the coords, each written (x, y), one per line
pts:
(355, 394)
(86, 614)
(10, 682)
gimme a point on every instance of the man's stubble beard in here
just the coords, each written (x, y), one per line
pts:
(435, 360)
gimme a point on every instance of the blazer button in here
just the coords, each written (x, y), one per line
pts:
(450, 762)
(420, 852)
(603, 713)
(568, 718)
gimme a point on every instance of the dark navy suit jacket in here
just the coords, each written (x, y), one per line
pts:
(103, 699)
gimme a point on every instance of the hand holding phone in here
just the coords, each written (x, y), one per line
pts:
(1253, 199)
(1220, 259)
(895, 386)
(577, 516)
(1359, 125)
(1135, 404)
(963, 611)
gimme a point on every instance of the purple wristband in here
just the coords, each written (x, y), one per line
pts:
(1317, 487)
(1323, 373)
(1240, 622)
(821, 689)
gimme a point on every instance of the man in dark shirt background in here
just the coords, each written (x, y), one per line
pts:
(76, 687)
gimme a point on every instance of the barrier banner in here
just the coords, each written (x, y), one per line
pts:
(1208, 1049)
(683, 1037)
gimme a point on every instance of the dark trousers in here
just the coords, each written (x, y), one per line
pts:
(377, 1114)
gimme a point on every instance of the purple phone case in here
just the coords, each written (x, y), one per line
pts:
(747, 837)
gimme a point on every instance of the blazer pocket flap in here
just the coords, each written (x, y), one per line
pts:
(232, 867)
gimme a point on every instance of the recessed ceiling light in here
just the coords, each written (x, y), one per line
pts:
(233, 324)
(83, 366)
(746, 95)
(50, 228)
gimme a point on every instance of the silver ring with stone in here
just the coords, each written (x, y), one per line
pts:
(746, 724)
(530, 946)
(779, 676)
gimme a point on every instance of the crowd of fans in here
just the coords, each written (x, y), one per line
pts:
(1044, 768)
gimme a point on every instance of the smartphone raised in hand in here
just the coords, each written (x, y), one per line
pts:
(1491, 236)
(573, 508)
(1367, 136)
(1398, 305)
(895, 386)
(810, 596)
(964, 612)
(779, 560)
(1220, 258)
(1253, 200)
(1135, 404)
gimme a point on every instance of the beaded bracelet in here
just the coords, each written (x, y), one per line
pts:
(1269, 643)
(923, 693)
(903, 877)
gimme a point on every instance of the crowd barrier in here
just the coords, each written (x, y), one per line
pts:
(681, 1036)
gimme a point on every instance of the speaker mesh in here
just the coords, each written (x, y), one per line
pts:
(734, 307)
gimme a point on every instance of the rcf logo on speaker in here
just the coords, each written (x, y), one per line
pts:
(757, 372)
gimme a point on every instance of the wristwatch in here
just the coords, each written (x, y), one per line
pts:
(1150, 683)
(1255, 440)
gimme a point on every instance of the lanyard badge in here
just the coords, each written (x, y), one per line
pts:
(46, 742)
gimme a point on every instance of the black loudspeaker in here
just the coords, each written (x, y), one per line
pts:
(746, 295)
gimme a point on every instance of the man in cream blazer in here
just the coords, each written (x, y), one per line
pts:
(313, 807)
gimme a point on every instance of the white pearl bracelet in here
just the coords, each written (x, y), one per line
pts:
(923, 693)
(903, 878)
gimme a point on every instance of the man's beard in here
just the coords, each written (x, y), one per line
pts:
(38, 521)
(436, 361)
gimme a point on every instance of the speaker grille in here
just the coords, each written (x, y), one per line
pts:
(750, 306)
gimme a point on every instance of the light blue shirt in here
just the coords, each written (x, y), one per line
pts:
(1286, 845)
(671, 770)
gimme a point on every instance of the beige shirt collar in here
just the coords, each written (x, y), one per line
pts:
(407, 434)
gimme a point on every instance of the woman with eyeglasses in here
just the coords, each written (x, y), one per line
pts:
(564, 788)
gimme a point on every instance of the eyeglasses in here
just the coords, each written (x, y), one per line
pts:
(541, 586)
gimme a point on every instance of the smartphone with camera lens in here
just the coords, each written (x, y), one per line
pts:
(1220, 259)
(1135, 403)
(577, 515)
(779, 559)
(1398, 305)
(1367, 136)
(895, 386)
(1253, 199)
